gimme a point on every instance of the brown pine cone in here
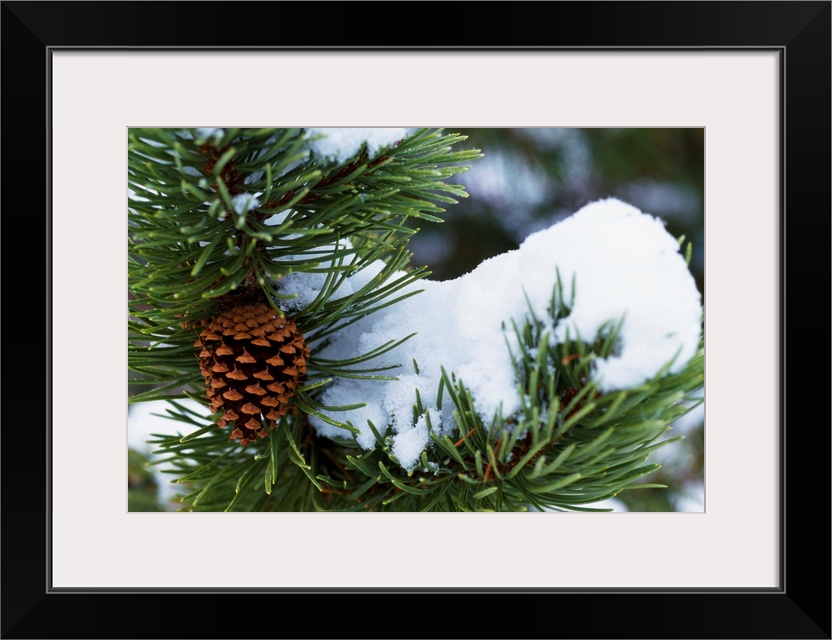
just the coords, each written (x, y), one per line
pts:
(252, 360)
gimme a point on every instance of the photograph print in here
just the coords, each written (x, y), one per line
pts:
(415, 320)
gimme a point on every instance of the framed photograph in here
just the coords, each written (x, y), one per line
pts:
(514, 218)
(744, 85)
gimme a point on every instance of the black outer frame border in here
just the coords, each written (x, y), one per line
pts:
(800, 608)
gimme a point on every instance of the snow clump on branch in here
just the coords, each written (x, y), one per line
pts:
(625, 265)
(341, 144)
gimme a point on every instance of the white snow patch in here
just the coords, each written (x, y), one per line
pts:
(691, 420)
(625, 264)
(253, 177)
(615, 504)
(203, 133)
(147, 418)
(342, 144)
(244, 202)
(410, 443)
(693, 500)
(278, 219)
(132, 195)
(306, 286)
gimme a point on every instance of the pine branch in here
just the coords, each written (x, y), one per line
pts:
(252, 255)
(568, 447)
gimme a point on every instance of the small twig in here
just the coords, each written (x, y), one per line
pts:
(488, 468)
(462, 439)
(567, 359)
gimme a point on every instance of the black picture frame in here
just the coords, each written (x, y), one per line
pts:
(799, 608)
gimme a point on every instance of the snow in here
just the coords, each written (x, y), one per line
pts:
(616, 505)
(203, 133)
(147, 418)
(132, 195)
(691, 420)
(693, 500)
(341, 144)
(244, 202)
(277, 219)
(628, 267)
(305, 286)
(253, 177)
(625, 264)
(192, 171)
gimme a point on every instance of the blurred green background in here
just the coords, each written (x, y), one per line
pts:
(530, 178)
